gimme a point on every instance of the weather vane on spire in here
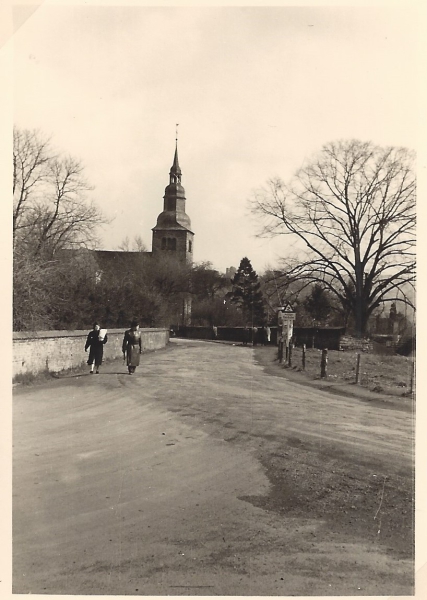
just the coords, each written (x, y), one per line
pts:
(176, 133)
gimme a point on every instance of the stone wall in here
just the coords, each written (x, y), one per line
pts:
(54, 351)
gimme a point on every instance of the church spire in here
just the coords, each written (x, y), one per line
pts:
(172, 233)
(175, 172)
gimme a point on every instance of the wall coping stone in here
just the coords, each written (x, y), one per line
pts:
(31, 335)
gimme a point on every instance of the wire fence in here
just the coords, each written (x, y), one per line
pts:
(380, 373)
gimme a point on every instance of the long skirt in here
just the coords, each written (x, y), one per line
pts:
(132, 353)
(96, 353)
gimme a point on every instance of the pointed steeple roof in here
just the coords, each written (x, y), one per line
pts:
(175, 186)
(175, 172)
(174, 215)
(175, 165)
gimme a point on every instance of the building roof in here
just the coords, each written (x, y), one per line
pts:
(175, 169)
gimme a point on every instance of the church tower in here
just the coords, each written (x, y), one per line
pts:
(172, 234)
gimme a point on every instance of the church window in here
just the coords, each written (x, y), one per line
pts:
(171, 244)
(190, 245)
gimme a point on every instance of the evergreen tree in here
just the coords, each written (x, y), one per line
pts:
(247, 294)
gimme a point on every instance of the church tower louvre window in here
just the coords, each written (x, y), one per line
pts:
(172, 234)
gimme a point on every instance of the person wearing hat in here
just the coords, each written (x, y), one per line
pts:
(132, 347)
(95, 342)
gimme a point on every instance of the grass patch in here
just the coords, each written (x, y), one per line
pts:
(384, 374)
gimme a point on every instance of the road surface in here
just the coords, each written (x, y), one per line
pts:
(204, 475)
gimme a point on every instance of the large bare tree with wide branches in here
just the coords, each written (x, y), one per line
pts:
(353, 209)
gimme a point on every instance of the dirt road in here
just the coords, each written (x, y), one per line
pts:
(205, 475)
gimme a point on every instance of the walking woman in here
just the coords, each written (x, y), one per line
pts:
(95, 341)
(132, 347)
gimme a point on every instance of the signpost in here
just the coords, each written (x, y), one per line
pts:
(285, 328)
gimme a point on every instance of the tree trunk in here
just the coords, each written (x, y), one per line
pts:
(359, 303)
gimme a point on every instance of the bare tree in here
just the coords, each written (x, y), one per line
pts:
(136, 246)
(31, 293)
(139, 244)
(53, 294)
(51, 210)
(353, 208)
(124, 246)
(31, 157)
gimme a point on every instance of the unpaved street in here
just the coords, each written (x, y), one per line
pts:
(202, 474)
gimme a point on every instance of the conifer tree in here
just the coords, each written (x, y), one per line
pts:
(247, 294)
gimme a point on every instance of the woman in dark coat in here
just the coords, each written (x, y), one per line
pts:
(96, 346)
(132, 347)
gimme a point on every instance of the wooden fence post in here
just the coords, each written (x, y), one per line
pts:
(324, 363)
(280, 352)
(303, 357)
(411, 390)
(358, 368)
(290, 355)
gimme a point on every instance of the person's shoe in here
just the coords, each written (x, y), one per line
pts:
(97, 372)
(91, 372)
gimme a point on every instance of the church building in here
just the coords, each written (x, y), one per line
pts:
(172, 233)
(172, 237)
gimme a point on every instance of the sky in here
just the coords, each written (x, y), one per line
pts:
(256, 91)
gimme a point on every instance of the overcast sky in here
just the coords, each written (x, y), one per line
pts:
(256, 91)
